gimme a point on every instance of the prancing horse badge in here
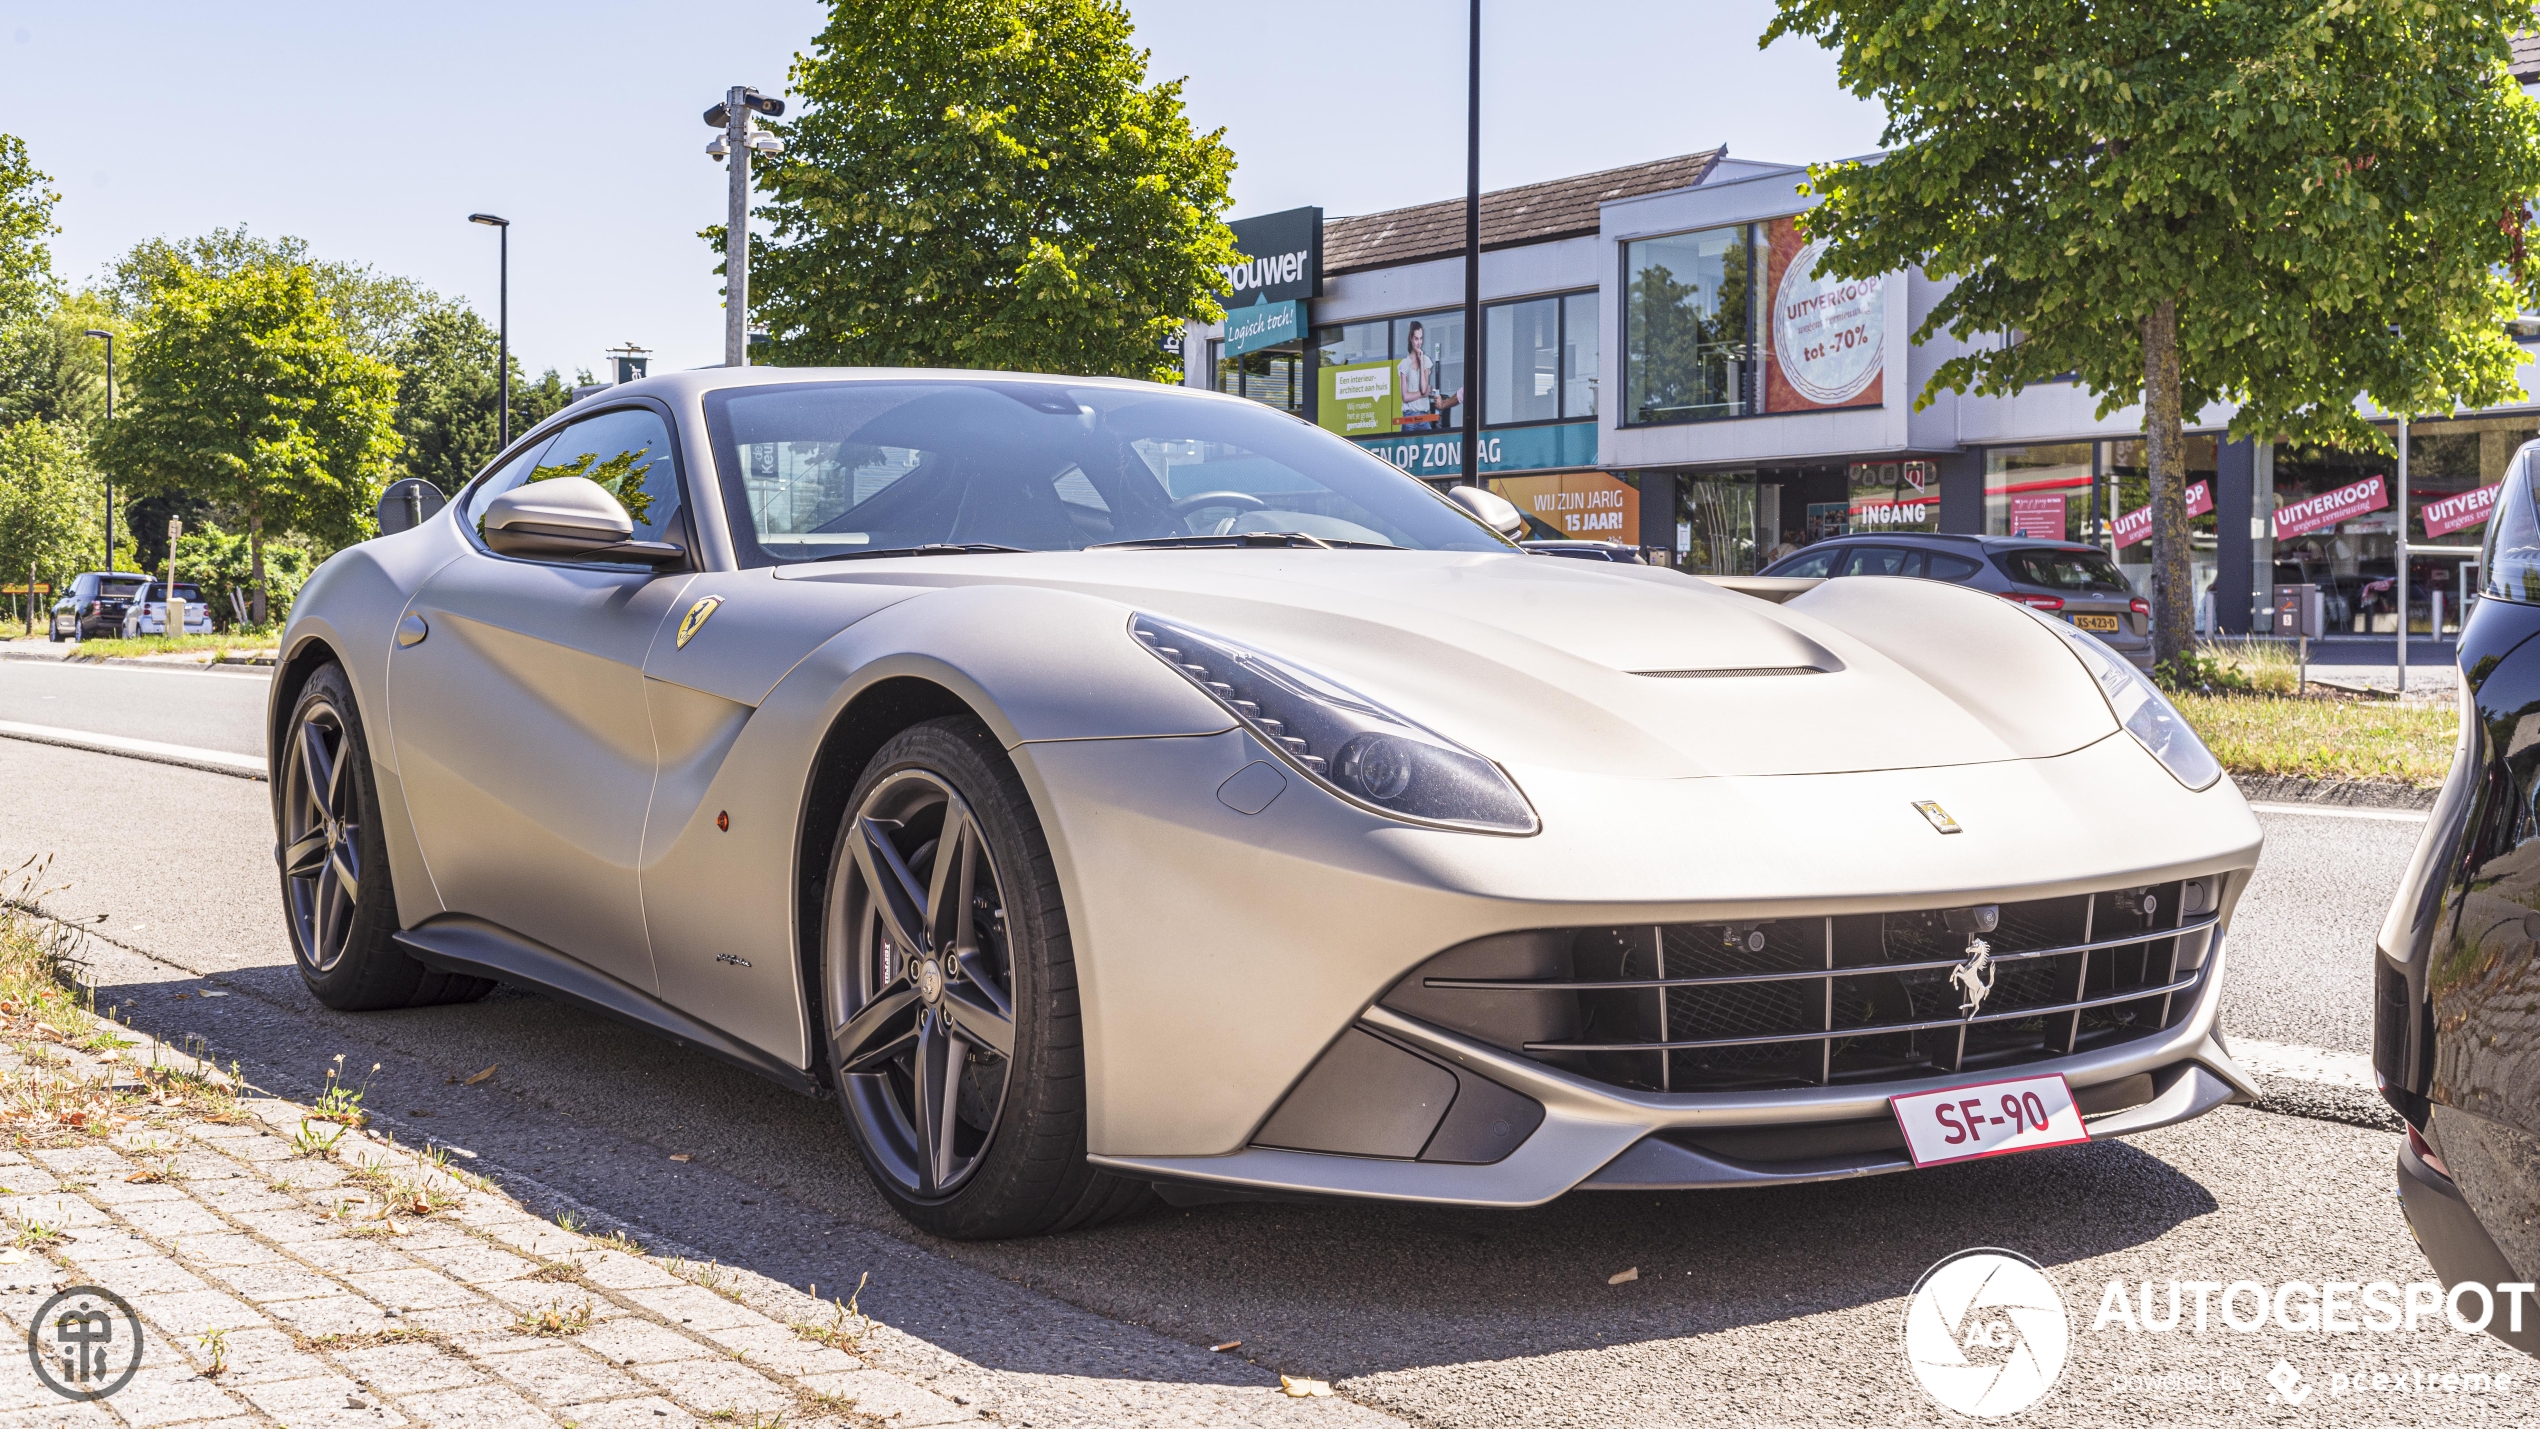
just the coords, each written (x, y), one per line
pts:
(695, 619)
(1939, 816)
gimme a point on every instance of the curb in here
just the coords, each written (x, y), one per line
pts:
(2350, 793)
(210, 761)
(146, 662)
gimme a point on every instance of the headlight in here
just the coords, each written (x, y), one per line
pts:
(1343, 741)
(2141, 707)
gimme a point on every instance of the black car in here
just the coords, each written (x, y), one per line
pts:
(1588, 550)
(94, 605)
(2456, 973)
(2076, 582)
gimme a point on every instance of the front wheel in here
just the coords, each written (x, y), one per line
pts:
(950, 991)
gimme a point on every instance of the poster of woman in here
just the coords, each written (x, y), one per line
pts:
(1424, 407)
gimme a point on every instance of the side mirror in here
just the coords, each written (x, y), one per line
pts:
(569, 518)
(1490, 508)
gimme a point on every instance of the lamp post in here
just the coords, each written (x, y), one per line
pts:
(1472, 443)
(502, 324)
(734, 116)
(109, 339)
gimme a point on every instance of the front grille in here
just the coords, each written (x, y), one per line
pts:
(1825, 1000)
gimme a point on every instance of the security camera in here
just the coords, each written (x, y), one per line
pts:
(718, 150)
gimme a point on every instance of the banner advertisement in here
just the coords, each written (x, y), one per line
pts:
(1513, 449)
(1280, 258)
(1829, 335)
(2136, 525)
(1581, 505)
(1357, 399)
(2040, 515)
(2454, 513)
(1263, 325)
(2330, 507)
(1894, 496)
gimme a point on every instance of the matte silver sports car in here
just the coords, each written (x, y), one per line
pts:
(1106, 790)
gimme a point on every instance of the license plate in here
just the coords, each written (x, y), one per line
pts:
(2106, 624)
(1990, 1119)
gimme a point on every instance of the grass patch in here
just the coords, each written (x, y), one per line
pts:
(2325, 738)
(115, 647)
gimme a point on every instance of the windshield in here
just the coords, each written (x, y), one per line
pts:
(830, 469)
(118, 590)
(2067, 570)
(185, 590)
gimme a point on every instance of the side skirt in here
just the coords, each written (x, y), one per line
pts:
(461, 944)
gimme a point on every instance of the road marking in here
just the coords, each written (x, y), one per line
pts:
(2352, 1070)
(44, 663)
(2330, 811)
(216, 761)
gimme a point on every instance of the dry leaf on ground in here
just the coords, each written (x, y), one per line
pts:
(1303, 1388)
(481, 1076)
(1624, 1276)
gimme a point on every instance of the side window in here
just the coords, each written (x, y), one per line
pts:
(514, 472)
(628, 452)
(1874, 561)
(1813, 563)
(1946, 567)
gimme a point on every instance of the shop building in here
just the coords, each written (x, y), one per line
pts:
(1659, 365)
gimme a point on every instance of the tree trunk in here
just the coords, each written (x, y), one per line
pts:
(2165, 453)
(256, 554)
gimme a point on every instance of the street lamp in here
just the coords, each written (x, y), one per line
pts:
(109, 339)
(740, 135)
(502, 326)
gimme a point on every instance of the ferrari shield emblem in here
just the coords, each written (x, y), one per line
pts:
(1939, 816)
(695, 619)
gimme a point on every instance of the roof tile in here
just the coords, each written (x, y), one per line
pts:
(1528, 213)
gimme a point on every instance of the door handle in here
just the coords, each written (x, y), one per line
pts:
(411, 630)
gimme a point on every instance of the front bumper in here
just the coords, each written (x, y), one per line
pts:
(1595, 1136)
(2454, 1242)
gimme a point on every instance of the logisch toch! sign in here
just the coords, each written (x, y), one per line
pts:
(2135, 525)
(2454, 513)
(2354, 499)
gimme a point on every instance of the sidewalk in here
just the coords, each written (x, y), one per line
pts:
(294, 1269)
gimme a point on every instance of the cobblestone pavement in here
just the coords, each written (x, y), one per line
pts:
(300, 1271)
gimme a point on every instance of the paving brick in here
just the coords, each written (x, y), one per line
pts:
(142, 1275)
(531, 1294)
(193, 1312)
(889, 1397)
(59, 1210)
(166, 1220)
(292, 1228)
(274, 1280)
(696, 1308)
(633, 1341)
(403, 1370)
(27, 1179)
(563, 1375)
(58, 1415)
(779, 1349)
(337, 1314)
(461, 1319)
(352, 1255)
(414, 1289)
(320, 1401)
(116, 1191)
(489, 1406)
(616, 1270)
(234, 1197)
(533, 1238)
(474, 1262)
(257, 1355)
(172, 1394)
(103, 1243)
(710, 1385)
(227, 1248)
(79, 1162)
(650, 1412)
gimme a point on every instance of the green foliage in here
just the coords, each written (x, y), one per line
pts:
(51, 370)
(26, 220)
(220, 562)
(246, 392)
(50, 500)
(2299, 179)
(989, 184)
(610, 475)
(376, 311)
(448, 396)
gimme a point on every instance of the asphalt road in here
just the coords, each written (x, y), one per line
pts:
(1763, 1307)
(209, 709)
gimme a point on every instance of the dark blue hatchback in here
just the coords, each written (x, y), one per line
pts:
(2063, 578)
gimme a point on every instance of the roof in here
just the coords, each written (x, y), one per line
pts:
(1528, 213)
(2526, 61)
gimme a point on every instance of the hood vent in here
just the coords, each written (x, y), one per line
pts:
(1733, 674)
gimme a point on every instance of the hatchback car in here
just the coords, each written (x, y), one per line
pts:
(149, 614)
(94, 605)
(2065, 579)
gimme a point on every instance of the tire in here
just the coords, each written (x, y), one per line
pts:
(1009, 1159)
(326, 814)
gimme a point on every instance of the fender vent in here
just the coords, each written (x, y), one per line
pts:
(1730, 674)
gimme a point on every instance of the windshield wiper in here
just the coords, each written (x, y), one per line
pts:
(1242, 538)
(931, 548)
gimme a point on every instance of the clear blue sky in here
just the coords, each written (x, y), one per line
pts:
(373, 130)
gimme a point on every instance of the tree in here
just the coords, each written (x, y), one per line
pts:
(245, 391)
(2276, 203)
(26, 220)
(49, 504)
(377, 311)
(448, 396)
(51, 370)
(987, 183)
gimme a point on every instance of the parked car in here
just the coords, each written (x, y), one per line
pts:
(2457, 962)
(1588, 551)
(148, 615)
(94, 604)
(1100, 787)
(2066, 579)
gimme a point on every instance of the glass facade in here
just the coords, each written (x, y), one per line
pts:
(1273, 376)
(1689, 322)
(2049, 484)
(1427, 351)
(1539, 361)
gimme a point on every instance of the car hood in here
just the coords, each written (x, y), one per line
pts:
(1608, 669)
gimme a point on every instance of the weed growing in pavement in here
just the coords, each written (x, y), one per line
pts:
(710, 1276)
(33, 1234)
(555, 1318)
(215, 1346)
(618, 1240)
(555, 1270)
(845, 1331)
(401, 1195)
(571, 1221)
(309, 1141)
(339, 1102)
(161, 1171)
(366, 1339)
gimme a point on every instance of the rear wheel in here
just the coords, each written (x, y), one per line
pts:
(950, 989)
(336, 894)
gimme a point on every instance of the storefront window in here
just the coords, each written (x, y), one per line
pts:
(1419, 362)
(1273, 376)
(1894, 495)
(1719, 517)
(1529, 369)
(2335, 526)
(1688, 325)
(2038, 491)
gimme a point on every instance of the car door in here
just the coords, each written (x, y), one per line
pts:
(519, 714)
